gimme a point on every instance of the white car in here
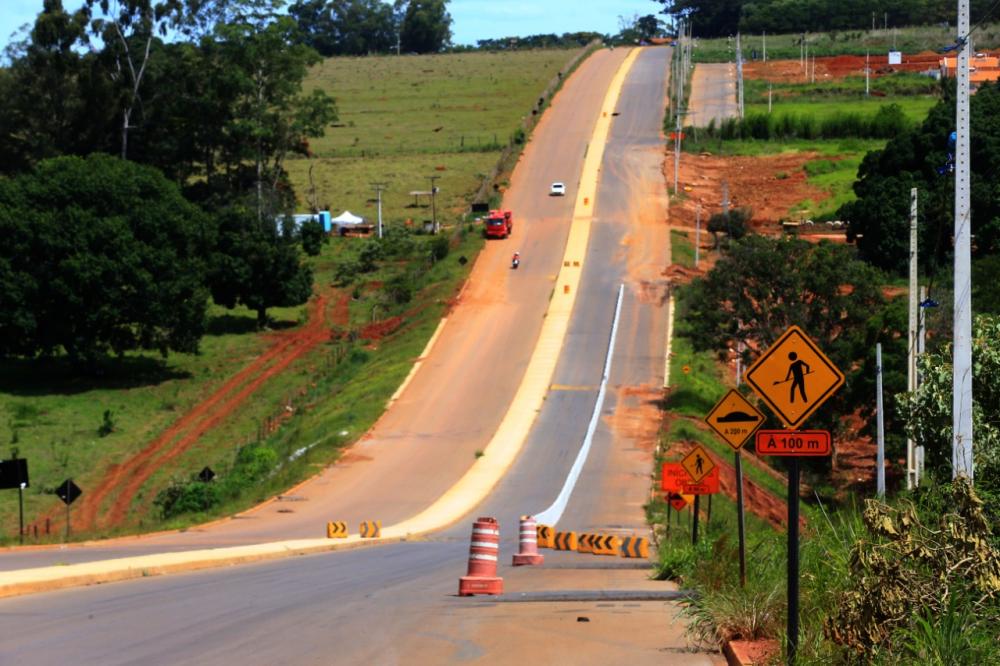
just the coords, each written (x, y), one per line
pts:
(557, 190)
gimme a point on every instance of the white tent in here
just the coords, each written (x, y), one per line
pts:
(347, 217)
(347, 221)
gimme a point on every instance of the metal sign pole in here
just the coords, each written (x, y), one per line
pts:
(793, 560)
(694, 524)
(738, 463)
(20, 511)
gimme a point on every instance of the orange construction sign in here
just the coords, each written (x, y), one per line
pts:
(734, 419)
(794, 377)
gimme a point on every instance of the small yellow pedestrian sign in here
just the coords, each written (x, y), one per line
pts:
(734, 419)
(698, 463)
(794, 377)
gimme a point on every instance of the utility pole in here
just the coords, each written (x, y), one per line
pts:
(764, 47)
(769, 97)
(434, 222)
(880, 451)
(697, 235)
(378, 191)
(867, 75)
(739, 75)
(677, 150)
(962, 337)
(911, 346)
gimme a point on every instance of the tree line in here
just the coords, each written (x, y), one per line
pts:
(143, 176)
(360, 27)
(721, 18)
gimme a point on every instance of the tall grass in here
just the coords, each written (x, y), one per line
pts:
(886, 123)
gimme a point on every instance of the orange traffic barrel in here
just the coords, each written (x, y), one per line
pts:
(484, 552)
(529, 544)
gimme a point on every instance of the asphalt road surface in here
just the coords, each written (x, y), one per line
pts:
(396, 604)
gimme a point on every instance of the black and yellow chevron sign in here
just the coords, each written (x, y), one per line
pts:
(545, 535)
(336, 530)
(371, 529)
(605, 544)
(635, 547)
(566, 541)
(586, 543)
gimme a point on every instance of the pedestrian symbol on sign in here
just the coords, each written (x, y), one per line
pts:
(798, 377)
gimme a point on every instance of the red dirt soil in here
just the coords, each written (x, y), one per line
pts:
(838, 67)
(770, 185)
(123, 481)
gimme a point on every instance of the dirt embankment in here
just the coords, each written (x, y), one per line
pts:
(108, 504)
(768, 184)
(837, 67)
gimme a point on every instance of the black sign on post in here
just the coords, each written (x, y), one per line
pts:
(13, 473)
(206, 475)
(68, 491)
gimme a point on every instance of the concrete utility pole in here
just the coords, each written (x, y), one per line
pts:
(764, 47)
(962, 337)
(739, 75)
(697, 235)
(677, 151)
(962, 341)
(434, 222)
(911, 346)
(378, 192)
(867, 75)
(880, 451)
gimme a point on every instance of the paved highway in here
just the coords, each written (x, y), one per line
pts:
(395, 603)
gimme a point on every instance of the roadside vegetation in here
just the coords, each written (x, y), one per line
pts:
(913, 579)
(910, 578)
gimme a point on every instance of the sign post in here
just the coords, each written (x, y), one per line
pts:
(14, 474)
(794, 378)
(68, 492)
(735, 420)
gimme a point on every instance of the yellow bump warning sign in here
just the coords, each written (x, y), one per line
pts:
(734, 419)
(794, 377)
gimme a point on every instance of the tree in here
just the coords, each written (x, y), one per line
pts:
(762, 286)
(733, 223)
(426, 26)
(928, 411)
(269, 118)
(53, 99)
(878, 220)
(649, 26)
(100, 255)
(257, 266)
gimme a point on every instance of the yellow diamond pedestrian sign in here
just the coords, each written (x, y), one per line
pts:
(734, 419)
(794, 377)
(698, 463)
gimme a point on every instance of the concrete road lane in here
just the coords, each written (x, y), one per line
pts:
(713, 94)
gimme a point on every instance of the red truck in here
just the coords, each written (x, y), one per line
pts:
(499, 223)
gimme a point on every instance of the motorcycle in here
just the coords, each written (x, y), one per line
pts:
(515, 261)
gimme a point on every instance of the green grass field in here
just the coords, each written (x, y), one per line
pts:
(404, 119)
(390, 108)
(852, 42)
(914, 108)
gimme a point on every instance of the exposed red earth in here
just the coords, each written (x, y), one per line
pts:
(124, 480)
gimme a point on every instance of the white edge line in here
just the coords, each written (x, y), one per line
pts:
(552, 514)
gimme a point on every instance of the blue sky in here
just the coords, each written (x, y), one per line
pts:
(472, 19)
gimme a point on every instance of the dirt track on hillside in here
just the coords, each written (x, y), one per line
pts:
(123, 481)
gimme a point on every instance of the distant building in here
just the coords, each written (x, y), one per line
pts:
(982, 68)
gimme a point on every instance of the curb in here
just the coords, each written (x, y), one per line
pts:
(45, 579)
